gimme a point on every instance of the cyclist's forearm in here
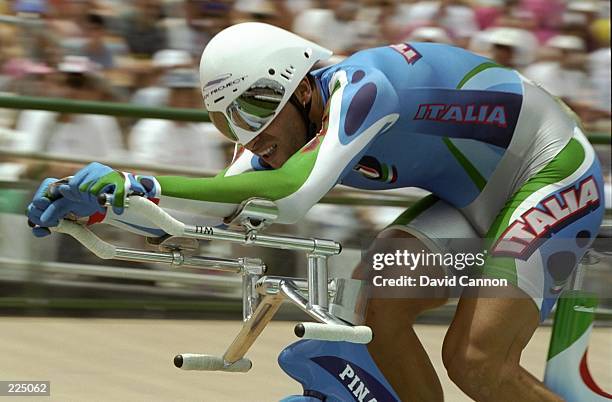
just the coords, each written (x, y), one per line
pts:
(220, 196)
(131, 222)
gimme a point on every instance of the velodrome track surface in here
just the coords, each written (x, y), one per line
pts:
(131, 359)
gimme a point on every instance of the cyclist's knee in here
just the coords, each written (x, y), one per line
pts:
(477, 371)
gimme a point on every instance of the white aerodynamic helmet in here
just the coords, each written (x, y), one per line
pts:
(249, 71)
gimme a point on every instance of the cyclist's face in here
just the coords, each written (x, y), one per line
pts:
(282, 138)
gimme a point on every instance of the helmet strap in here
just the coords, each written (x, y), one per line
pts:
(304, 111)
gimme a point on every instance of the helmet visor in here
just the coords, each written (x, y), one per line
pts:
(257, 106)
(219, 120)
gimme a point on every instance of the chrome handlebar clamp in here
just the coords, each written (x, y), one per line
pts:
(254, 214)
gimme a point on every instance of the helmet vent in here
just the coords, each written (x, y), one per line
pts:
(219, 99)
(288, 73)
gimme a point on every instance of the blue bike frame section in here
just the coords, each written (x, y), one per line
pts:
(335, 372)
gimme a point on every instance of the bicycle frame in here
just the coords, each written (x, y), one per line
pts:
(332, 361)
(567, 372)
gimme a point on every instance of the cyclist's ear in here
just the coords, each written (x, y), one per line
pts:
(304, 91)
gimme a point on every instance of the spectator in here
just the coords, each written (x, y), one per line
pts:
(565, 77)
(430, 34)
(194, 145)
(266, 11)
(69, 18)
(84, 135)
(580, 15)
(25, 77)
(453, 15)
(156, 94)
(11, 50)
(488, 12)
(551, 74)
(545, 16)
(143, 30)
(334, 26)
(297, 6)
(94, 45)
(200, 21)
(599, 65)
(33, 32)
(512, 47)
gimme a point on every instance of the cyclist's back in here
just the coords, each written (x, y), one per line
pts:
(468, 128)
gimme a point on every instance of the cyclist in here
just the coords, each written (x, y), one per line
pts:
(501, 157)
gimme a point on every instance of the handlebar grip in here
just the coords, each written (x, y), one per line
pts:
(97, 246)
(333, 332)
(191, 361)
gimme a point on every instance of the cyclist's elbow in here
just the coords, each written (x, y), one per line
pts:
(291, 211)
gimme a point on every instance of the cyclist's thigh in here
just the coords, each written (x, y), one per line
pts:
(429, 225)
(545, 228)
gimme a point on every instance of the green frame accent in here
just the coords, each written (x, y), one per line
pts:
(569, 324)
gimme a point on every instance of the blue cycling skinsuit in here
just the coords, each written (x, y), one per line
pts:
(497, 152)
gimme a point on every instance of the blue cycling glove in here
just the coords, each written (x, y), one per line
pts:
(46, 210)
(80, 195)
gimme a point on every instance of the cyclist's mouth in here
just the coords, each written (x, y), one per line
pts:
(268, 152)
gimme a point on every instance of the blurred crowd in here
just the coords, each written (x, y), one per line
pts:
(146, 52)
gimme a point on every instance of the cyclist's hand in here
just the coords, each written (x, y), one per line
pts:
(46, 209)
(38, 206)
(95, 179)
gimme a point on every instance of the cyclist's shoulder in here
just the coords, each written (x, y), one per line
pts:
(351, 71)
(409, 65)
(354, 81)
(452, 67)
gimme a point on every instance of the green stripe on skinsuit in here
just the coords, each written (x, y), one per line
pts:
(474, 174)
(415, 210)
(563, 165)
(269, 184)
(465, 163)
(476, 70)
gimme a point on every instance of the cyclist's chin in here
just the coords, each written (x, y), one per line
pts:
(278, 157)
(276, 161)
